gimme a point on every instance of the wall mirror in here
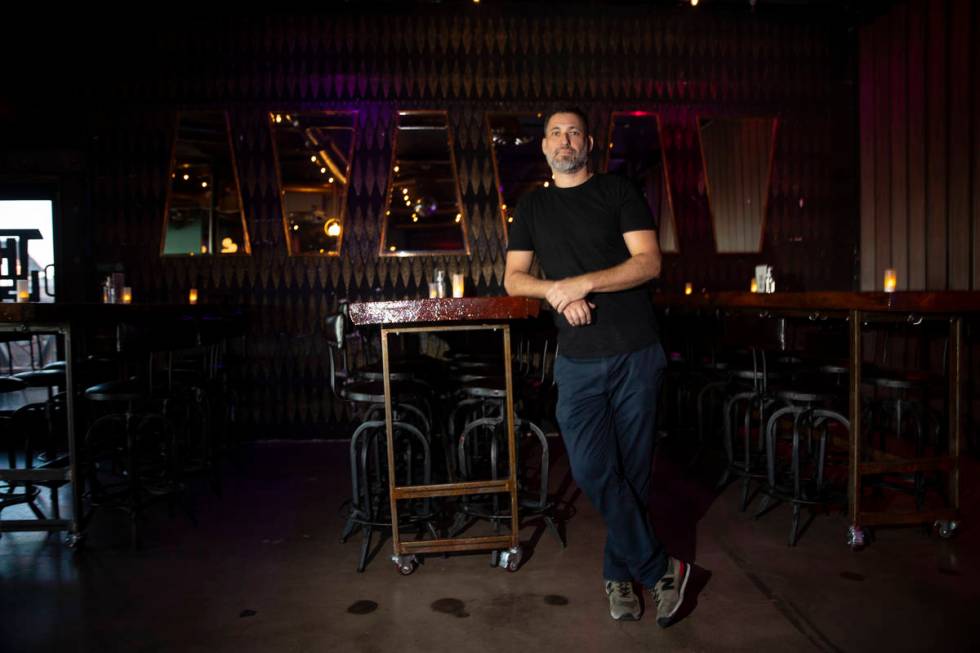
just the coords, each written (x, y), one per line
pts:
(313, 153)
(518, 165)
(634, 150)
(203, 213)
(423, 212)
(737, 155)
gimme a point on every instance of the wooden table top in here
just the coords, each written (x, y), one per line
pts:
(951, 302)
(449, 309)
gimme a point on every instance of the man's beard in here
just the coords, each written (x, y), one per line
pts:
(566, 164)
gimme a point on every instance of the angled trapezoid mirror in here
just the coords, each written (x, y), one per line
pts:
(423, 213)
(635, 150)
(737, 155)
(313, 151)
(203, 213)
(518, 165)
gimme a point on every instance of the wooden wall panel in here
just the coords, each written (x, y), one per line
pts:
(866, 104)
(960, 144)
(897, 135)
(916, 146)
(918, 108)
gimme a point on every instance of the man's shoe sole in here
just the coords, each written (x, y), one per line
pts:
(663, 622)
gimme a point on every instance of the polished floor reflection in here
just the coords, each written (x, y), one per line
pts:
(261, 568)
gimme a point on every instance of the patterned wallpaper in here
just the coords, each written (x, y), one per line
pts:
(680, 64)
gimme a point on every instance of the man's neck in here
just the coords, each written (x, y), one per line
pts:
(572, 179)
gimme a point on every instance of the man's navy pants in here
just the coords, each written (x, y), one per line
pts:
(607, 410)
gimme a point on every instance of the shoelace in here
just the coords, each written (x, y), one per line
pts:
(623, 588)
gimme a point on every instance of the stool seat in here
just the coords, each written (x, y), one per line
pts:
(806, 395)
(42, 378)
(56, 365)
(374, 391)
(115, 391)
(11, 384)
(488, 387)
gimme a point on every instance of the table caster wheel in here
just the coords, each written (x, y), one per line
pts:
(946, 528)
(494, 558)
(405, 564)
(510, 559)
(855, 537)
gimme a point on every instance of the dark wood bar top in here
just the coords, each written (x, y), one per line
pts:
(953, 302)
(449, 309)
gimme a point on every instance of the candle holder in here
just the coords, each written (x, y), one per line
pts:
(891, 280)
(688, 288)
(127, 295)
(459, 284)
(192, 296)
(23, 291)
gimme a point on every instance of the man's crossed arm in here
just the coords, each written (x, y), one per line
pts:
(568, 296)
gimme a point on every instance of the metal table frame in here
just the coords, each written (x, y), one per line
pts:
(858, 309)
(480, 314)
(69, 474)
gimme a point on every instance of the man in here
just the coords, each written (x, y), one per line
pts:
(596, 241)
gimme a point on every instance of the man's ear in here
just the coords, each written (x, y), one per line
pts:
(591, 142)
(544, 145)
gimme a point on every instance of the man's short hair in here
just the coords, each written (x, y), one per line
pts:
(568, 109)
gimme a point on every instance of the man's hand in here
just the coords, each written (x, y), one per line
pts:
(579, 312)
(564, 292)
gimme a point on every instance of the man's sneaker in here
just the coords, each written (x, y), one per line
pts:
(669, 591)
(624, 604)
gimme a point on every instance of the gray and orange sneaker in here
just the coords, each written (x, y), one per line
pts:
(624, 604)
(669, 591)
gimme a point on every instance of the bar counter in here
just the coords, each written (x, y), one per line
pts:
(69, 321)
(860, 309)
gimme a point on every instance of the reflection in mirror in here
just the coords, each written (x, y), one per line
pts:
(518, 165)
(737, 155)
(635, 152)
(424, 211)
(313, 158)
(204, 207)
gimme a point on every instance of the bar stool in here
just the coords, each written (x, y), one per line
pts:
(479, 457)
(12, 438)
(749, 397)
(801, 481)
(899, 417)
(130, 452)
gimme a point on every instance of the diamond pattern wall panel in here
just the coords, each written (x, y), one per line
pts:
(467, 60)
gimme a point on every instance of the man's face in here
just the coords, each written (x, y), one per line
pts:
(565, 144)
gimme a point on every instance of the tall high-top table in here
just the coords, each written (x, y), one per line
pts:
(442, 315)
(858, 309)
(69, 321)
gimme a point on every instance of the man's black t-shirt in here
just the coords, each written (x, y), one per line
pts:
(580, 229)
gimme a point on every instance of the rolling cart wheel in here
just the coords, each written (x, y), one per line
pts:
(946, 528)
(856, 537)
(494, 558)
(405, 564)
(510, 559)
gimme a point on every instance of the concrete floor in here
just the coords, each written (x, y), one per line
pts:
(263, 570)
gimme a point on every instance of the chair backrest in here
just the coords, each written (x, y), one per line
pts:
(335, 331)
